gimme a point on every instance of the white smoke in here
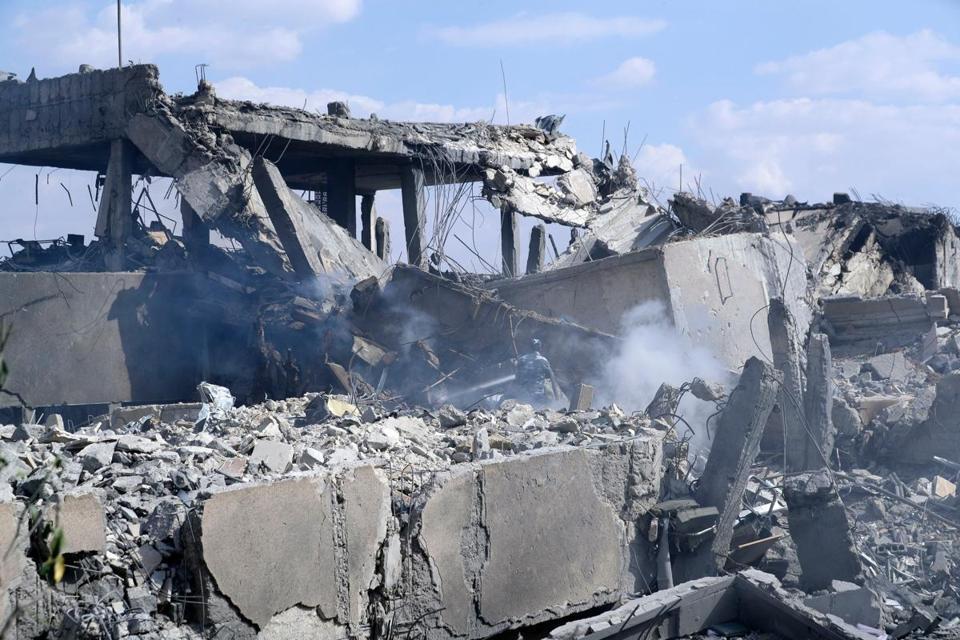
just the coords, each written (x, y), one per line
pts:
(654, 352)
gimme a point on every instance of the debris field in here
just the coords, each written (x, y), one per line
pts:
(254, 422)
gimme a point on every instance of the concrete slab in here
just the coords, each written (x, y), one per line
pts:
(366, 509)
(544, 554)
(270, 547)
(445, 522)
(314, 243)
(84, 523)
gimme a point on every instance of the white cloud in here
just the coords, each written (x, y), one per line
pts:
(241, 88)
(250, 33)
(877, 64)
(631, 73)
(812, 147)
(555, 28)
(659, 165)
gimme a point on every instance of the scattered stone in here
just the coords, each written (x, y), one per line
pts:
(451, 417)
(97, 455)
(275, 457)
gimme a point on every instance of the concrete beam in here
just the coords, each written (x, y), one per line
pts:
(114, 216)
(342, 195)
(368, 213)
(509, 243)
(786, 359)
(818, 404)
(414, 213)
(538, 245)
(735, 446)
(382, 233)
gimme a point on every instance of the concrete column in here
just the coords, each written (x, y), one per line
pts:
(735, 446)
(342, 195)
(368, 213)
(538, 245)
(509, 248)
(818, 403)
(196, 235)
(414, 212)
(114, 216)
(821, 531)
(382, 234)
(786, 359)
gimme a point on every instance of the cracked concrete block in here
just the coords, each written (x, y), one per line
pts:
(270, 547)
(445, 520)
(544, 552)
(84, 523)
(365, 502)
(276, 457)
(297, 623)
(506, 543)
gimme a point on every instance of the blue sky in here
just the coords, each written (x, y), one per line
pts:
(750, 95)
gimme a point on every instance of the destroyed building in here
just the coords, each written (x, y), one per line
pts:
(287, 435)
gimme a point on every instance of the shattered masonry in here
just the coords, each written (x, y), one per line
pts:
(292, 437)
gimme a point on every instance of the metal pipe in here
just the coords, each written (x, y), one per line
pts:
(119, 39)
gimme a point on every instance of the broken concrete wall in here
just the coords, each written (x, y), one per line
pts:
(718, 284)
(506, 544)
(308, 542)
(596, 294)
(710, 288)
(100, 337)
(80, 110)
(872, 249)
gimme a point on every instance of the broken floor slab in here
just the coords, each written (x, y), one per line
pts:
(314, 243)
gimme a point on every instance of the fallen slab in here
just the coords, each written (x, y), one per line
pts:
(314, 243)
(750, 600)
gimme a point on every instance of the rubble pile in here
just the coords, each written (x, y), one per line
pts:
(121, 488)
(294, 438)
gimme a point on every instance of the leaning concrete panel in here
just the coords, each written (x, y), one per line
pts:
(270, 547)
(314, 243)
